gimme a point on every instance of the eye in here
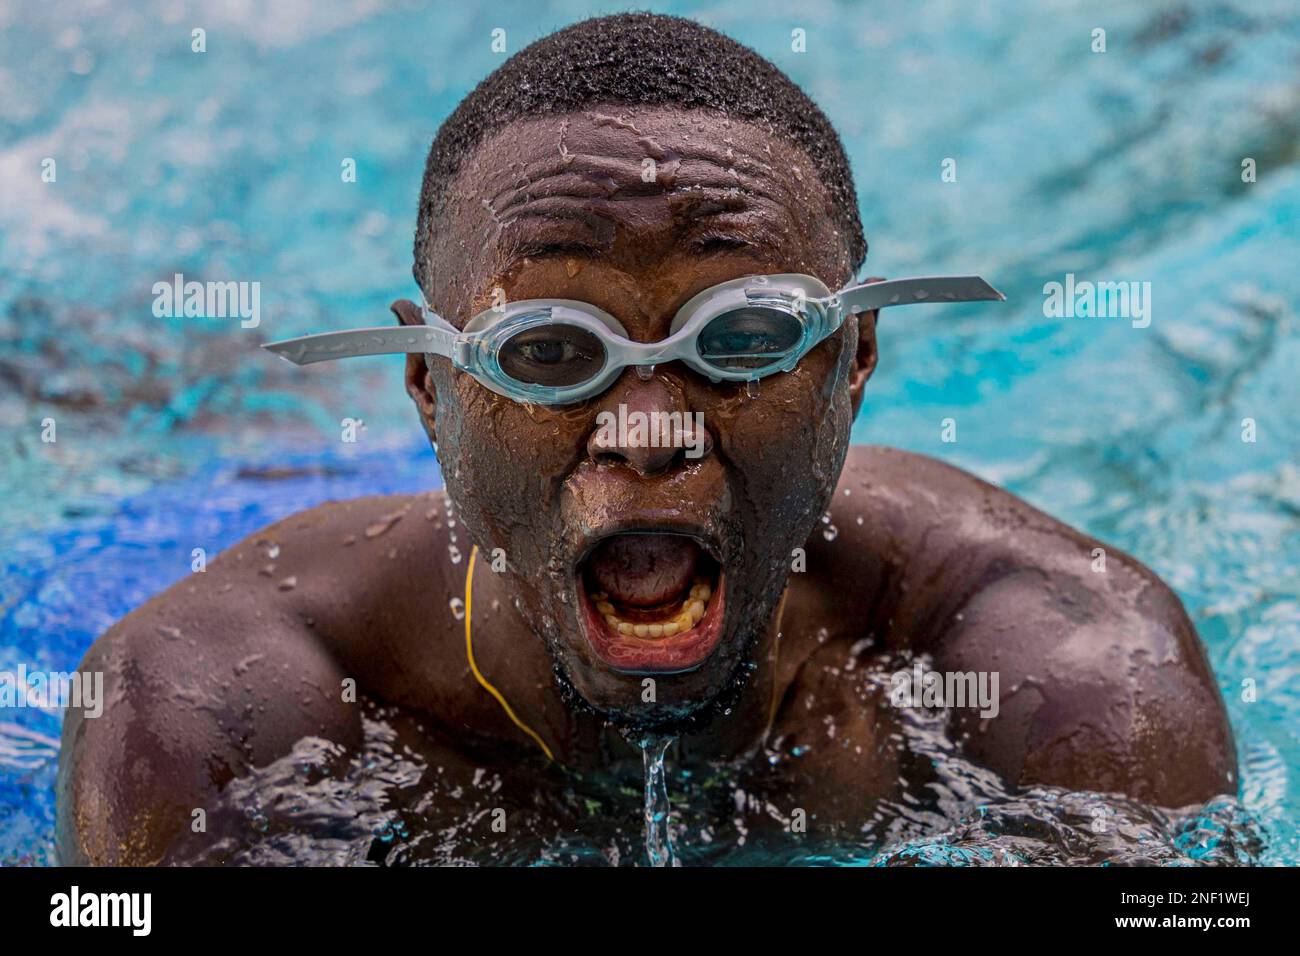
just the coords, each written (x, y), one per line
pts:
(555, 355)
(750, 338)
(547, 351)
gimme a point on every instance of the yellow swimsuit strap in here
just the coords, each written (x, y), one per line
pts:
(478, 675)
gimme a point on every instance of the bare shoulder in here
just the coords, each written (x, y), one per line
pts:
(226, 670)
(1104, 682)
(909, 519)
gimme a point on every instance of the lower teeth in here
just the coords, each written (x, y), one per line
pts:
(691, 613)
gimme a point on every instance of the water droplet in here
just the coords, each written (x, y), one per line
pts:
(453, 552)
(645, 372)
(751, 388)
(289, 583)
(457, 608)
(383, 524)
(830, 532)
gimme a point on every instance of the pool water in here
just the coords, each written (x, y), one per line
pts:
(177, 434)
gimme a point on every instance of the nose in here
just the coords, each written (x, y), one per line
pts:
(646, 425)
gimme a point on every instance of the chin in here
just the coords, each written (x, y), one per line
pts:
(654, 604)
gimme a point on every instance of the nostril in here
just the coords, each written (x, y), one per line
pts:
(643, 457)
(703, 442)
(604, 457)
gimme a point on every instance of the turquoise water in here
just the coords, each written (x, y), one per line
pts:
(174, 434)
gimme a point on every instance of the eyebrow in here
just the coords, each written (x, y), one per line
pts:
(559, 248)
(561, 230)
(701, 233)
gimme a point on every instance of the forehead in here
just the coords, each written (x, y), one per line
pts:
(643, 191)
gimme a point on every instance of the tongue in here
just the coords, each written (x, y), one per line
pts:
(643, 570)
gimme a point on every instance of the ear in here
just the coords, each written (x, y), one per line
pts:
(419, 384)
(864, 360)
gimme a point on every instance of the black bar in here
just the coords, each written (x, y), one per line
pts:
(937, 905)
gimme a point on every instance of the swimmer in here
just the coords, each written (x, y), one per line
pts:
(638, 215)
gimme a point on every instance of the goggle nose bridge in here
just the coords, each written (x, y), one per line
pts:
(462, 353)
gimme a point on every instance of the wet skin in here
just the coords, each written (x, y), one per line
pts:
(1103, 682)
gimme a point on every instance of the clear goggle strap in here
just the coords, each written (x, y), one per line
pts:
(385, 340)
(925, 289)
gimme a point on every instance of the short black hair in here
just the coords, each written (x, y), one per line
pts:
(634, 59)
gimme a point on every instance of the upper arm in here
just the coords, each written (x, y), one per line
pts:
(1103, 685)
(1103, 682)
(195, 693)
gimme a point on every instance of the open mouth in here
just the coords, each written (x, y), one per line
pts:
(651, 602)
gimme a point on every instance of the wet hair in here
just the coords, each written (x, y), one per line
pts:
(634, 59)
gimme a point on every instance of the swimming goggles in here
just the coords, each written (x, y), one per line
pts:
(557, 351)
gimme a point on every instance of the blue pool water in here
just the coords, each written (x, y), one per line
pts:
(175, 434)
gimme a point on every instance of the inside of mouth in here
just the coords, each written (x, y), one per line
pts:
(650, 585)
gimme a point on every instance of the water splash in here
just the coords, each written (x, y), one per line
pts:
(658, 810)
(402, 799)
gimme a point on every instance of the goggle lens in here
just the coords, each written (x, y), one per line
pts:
(750, 338)
(556, 355)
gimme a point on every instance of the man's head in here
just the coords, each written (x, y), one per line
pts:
(631, 162)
